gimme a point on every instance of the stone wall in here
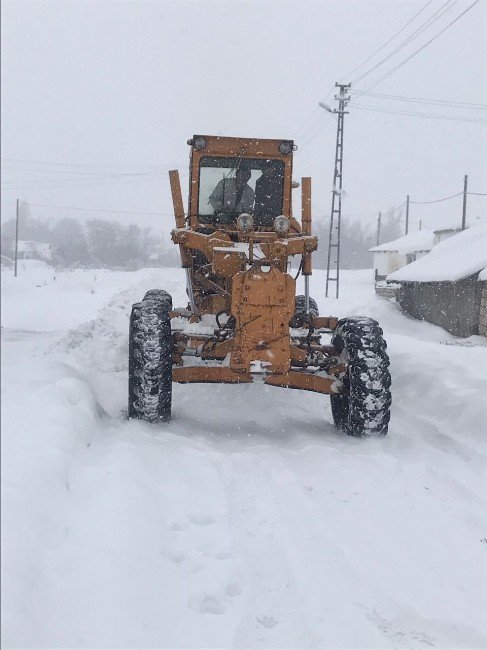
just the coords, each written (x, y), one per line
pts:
(455, 306)
(483, 310)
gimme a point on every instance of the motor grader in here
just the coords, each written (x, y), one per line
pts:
(243, 322)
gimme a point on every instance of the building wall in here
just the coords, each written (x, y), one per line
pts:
(483, 310)
(455, 306)
(388, 262)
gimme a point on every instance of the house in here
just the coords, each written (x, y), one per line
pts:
(445, 233)
(395, 254)
(448, 286)
(34, 250)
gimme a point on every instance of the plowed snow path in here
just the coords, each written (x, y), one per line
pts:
(248, 522)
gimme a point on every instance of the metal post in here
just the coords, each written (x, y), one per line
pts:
(378, 229)
(336, 212)
(407, 214)
(306, 294)
(16, 239)
(189, 289)
(464, 212)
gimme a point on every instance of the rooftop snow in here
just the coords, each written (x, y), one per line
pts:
(483, 274)
(419, 240)
(457, 257)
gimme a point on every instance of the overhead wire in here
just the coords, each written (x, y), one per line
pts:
(73, 164)
(425, 100)
(445, 198)
(106, 210)
(399, 65)
(387, 42)
(419, 30)
(454, 118)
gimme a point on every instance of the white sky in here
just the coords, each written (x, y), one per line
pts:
(93, 90)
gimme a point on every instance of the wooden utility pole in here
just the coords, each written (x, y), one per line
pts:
(464, 212)
(378, 229)
(16, 239)
(407, 214)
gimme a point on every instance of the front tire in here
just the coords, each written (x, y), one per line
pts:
(363, 408)
(300, 317)
(150, 361)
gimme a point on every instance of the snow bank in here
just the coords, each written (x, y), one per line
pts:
(457, 257)
(248, 521)
(413, 242)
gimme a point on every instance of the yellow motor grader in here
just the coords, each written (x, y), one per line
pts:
(243, 322)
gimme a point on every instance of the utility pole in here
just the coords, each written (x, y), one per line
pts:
(464, 212)
(407, 214)
(333, 275)
(16, 239)
(420, 224)
(378, 229)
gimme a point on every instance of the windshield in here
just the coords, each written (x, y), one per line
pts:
(230, 186)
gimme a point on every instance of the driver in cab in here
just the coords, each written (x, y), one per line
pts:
(232, 196)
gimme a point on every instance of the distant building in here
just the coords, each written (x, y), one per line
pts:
(445, 233)
(395, 254)
(34, 250)
(448, 286)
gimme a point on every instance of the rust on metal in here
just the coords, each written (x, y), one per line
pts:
(209, 375)
(304, 381)
(243, 273)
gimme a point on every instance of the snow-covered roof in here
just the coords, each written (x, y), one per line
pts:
(483, 274)
(413, 242)
(452, 259)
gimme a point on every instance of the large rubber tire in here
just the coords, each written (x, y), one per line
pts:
(159, 295)
(299, 317)
(150, 362)
(363, 409)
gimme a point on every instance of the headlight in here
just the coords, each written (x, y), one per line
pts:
(199, 143)
(285, 147)
(245, 222)
(281, 224)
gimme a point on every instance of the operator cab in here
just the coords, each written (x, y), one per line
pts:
(238, 181)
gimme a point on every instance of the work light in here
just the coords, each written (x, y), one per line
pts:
(281, 224)
(245, 222)
(199, 143)
(285, 147)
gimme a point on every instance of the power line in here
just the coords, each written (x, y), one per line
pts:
(453, 118)
(80, 184)
(80, 209)
(387, 42)
(392, 70)
(82, 173)
(432, 19)
(90, 165)
(440, 102)
(446, 198)
(478, 193)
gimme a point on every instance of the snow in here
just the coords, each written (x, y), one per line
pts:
(483, 274)
(452, 259)
(413, 242)
(248, 521)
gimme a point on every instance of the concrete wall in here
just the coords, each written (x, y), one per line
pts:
(455, 306)
(483, 310)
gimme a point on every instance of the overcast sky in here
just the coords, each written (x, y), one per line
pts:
(99, 98)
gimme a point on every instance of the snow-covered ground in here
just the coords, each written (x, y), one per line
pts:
(248, 521)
